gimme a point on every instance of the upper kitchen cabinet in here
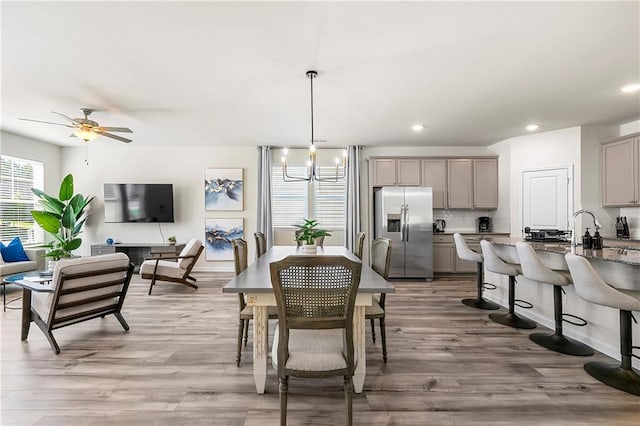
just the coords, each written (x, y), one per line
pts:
(485, 183)
(620, 176)
(460, 183)
(434, 174)
(392, 171)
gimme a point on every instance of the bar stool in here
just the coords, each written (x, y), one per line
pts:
(495, 264)
(534, 269)
(465, 253)
(590, 287)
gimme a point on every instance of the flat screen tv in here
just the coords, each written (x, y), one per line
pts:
(138, 202)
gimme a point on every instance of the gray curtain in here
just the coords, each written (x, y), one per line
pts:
(352, 221)
(265, 166)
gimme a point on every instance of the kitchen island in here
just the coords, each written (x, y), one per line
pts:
(619, 267)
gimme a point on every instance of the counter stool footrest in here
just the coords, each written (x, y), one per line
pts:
(481, 304)
(489, 286)
(559, 343)
(512, 320)
(614, 376)
(582, 322)
(523, 304)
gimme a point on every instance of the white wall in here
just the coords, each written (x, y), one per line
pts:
(32, 149)
(629, 128)
(181, 166)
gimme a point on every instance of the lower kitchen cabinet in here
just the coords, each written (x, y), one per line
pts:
(443, 257)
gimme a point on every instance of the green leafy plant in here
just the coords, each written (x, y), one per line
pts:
(308, 232)
(62, 218)
(171, 239)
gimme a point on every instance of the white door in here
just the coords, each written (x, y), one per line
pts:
(547, 196)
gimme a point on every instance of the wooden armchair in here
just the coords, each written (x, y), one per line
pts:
(174, 269)
(315, 296)
(81, 289)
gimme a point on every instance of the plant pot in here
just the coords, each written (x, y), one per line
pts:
(51, 264)
(309, 249)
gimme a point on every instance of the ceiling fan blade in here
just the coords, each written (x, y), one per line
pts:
(46, 122)
(64, 116)
(115, 129)
(119, 138)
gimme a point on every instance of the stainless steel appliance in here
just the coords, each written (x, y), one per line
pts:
(484, 224)
(405, 216)
(439, 225)
(546, 235)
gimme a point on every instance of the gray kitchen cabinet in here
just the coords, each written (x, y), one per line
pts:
(620, 175)
(434, 174)
(443, 257)
(396, 171)
(460, 183)
(485, 183)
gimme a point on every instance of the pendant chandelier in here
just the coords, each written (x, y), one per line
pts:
(312, 165)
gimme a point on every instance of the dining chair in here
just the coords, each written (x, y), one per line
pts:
(315, 296)
(359, 245)
(261, 243)
(245, 314)
(380, 262)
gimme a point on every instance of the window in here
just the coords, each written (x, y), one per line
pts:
(17, 177)
(293, 201)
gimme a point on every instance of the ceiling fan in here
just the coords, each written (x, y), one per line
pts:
(86, 129)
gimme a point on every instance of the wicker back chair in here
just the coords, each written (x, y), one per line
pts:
(358, 247)
(380, 262)
(315, 296)
(245, 314)
(261, 243)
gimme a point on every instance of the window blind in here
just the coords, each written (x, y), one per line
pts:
(289, 200)
(330, 199)
(17, 177)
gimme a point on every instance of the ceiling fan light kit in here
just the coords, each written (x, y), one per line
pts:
(312, 166)
(86, 129)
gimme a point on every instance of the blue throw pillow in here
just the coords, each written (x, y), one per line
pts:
(13, 252)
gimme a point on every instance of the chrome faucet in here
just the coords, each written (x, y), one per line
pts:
(574, 238)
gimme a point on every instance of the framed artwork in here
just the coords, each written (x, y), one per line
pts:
(218, 234)
(223, 189)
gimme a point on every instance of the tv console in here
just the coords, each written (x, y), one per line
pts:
(137, 252)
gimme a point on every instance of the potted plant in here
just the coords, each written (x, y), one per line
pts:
(62, 218)
(172, 240)
(307, 233)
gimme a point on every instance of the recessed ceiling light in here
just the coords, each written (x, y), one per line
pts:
(630, 88)
(532, 127)
(417, 127)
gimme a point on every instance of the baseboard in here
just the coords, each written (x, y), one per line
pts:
(214, 269)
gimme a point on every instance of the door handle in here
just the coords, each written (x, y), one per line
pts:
(406, 222)
(402, 222)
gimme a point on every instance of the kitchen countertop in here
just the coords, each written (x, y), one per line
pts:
(608, 254)
(470, 233)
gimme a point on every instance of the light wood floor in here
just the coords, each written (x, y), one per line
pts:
(447, 365)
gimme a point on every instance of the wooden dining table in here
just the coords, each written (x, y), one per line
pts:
(255, 282)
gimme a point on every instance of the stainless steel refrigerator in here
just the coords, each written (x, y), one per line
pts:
(405, 216)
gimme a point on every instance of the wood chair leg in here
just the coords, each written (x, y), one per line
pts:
(52, 341)
(188, 284)
(348, 394)
(153, 282)
(383, 332)
(120, 318)
(27, 316)
(239, 353)
(284, 389)
(246, 332)
(373, 330)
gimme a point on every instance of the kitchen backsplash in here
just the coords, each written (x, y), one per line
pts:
(465, 220)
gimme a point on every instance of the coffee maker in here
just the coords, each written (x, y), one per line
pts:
(484, 224)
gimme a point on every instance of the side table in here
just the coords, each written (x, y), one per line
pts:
(10, 279)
